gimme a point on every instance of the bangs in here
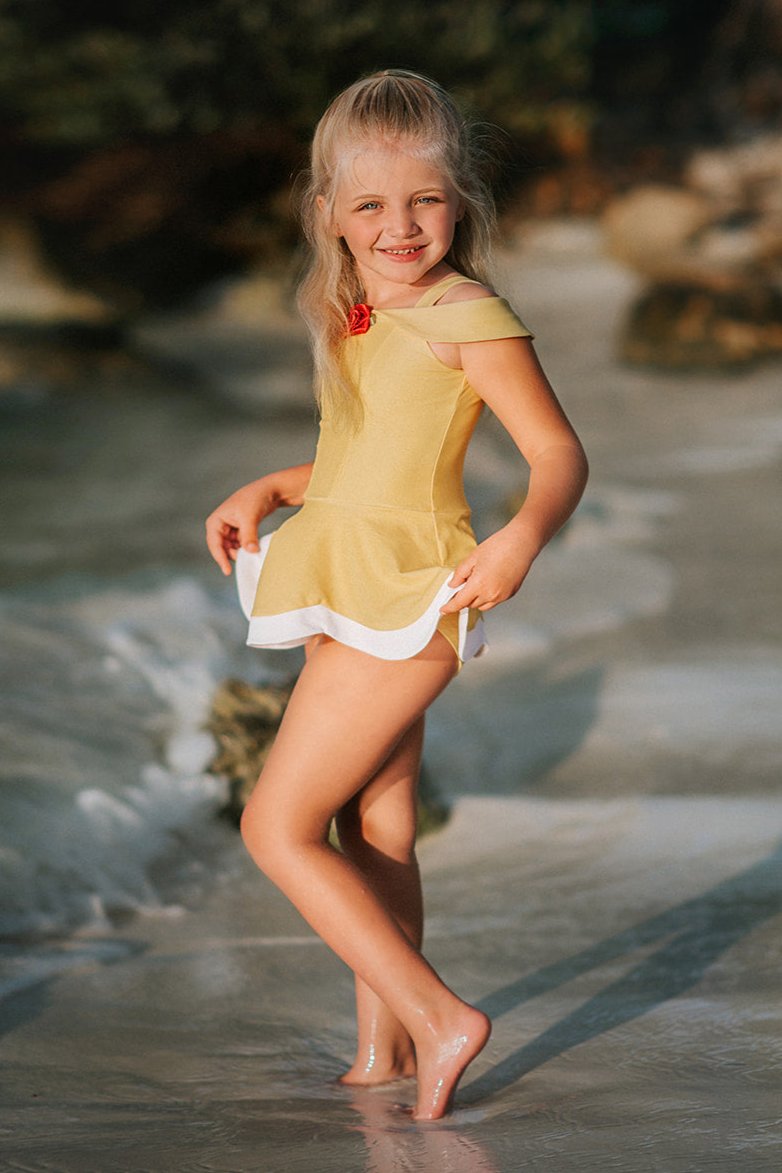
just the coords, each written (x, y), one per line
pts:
(355, 148)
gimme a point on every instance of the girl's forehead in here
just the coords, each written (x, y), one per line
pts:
(379, 165)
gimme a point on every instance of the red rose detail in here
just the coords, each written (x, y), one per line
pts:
(359, 318)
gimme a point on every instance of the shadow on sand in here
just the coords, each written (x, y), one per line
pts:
(697, 932)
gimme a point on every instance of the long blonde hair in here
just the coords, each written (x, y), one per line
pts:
(394, 107)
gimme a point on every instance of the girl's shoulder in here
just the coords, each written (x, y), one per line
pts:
(465, 290)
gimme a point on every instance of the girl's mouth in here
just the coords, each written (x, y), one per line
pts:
(403, 254)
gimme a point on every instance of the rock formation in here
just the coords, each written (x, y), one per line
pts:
(711, 251)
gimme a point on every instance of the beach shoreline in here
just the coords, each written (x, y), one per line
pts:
(609, 941)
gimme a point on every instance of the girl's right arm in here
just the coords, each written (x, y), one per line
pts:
(235, 522)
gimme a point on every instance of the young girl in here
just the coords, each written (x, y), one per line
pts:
(379, 574)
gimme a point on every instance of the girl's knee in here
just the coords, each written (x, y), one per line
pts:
(253, 833)
(264, 839)
(275, 838)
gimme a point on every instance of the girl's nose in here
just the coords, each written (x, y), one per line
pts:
(401, 223)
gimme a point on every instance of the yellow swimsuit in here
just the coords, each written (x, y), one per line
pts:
(384, 522)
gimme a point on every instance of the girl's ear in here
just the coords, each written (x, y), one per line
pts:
(460, 210)
(321, 202)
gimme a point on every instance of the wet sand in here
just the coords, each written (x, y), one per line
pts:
(608, 888)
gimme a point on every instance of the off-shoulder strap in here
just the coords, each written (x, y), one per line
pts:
(440, 288)
(481, 319)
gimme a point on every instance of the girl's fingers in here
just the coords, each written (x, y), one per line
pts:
(478, 592)
(460, 576)
(462, 600)
(218, 541)
(248, 534)
(461, 573)
(221, 558)
(466, 597)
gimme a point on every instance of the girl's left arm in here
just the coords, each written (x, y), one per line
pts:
(509, 378)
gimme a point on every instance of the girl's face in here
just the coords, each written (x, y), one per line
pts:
(397, 214)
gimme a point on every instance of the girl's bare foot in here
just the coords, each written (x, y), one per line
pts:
(376, 1067)
(443, 1059)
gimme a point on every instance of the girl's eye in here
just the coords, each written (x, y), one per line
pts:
(369, 206)
(428, 199)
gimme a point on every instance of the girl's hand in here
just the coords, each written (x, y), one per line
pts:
(235, 522)
(493, 572)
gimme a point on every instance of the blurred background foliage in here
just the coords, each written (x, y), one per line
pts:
(151, 147)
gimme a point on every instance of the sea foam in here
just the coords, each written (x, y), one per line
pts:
(107, 757)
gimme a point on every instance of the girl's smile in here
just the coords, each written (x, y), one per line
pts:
(397, 214)
(404, 254)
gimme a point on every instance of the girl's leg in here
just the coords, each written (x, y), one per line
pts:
(377, 831)
(346, 714)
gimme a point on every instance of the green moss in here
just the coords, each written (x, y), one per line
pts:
(243, 721)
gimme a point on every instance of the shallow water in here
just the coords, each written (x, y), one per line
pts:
(626, 951)
(115, 633)
(608, 887)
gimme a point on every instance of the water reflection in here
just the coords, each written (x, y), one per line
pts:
(394, 1141)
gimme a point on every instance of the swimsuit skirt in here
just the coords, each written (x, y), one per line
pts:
(384, 523)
